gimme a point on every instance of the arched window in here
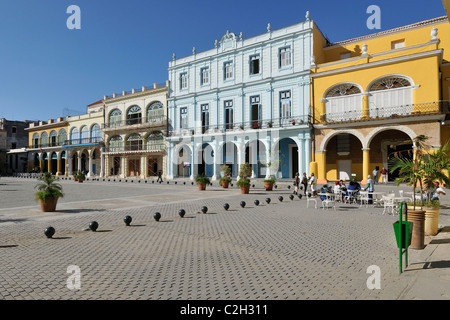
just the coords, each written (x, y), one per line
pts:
(62, 136)
(53, 141)
(35, 140)
(84, 135)
(44, 139)
(134, 142)
(155, 112)
(115, 118)
(389, 83)
(344, 89)
(74, 136)
(391, 95)
(134, 115)
(95, 133)
(115, 144)
(155, 141)
(343, 102)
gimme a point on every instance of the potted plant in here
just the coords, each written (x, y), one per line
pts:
(48, 192)
(269, 124)
(244, 182)
(202, 180)
(268, 183)
(433, 168)
(80, 176)
(225, 180)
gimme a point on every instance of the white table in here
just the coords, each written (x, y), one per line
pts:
(329, 200)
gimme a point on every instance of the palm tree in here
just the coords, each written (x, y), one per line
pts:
(409, 169)
(435, 167)
(48, 188)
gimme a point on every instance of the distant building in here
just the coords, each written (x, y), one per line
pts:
(13, 143)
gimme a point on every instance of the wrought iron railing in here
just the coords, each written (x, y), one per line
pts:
(376, 113)
(138, 122)
(83, 141)
(290, 122)
(149, 147)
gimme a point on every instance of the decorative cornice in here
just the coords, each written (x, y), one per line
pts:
(390, 31)
(378, 63)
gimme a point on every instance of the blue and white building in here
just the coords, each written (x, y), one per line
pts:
(245, 100)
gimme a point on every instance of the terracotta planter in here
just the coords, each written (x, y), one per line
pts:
(268, 186)
(80, 180)
(201, 186)
(225, 184)
(245, 189)
(431, 220)
(417, 217)
(49, 205)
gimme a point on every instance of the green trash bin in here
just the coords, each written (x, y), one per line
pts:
(404, 228)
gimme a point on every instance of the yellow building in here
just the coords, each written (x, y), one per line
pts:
(46, 151)
(372, 95)
(135, 129)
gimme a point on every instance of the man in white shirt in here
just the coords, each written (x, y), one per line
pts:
(438, 191)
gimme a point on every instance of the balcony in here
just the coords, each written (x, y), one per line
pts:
(372, 114)
(137, 148)
(302, 122)
(82, 141)
(137, 123)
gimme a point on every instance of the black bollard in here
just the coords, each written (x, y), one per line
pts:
(243, 204)
(157, 216)
(93, 225)
(256, 202)
(181, 213)
(127, 220)
(49, 232)
(226, 206)
(204, 209)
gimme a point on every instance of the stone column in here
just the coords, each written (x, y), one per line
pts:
(58, 164)
(366, 165)
(321, 166)
(365, 106)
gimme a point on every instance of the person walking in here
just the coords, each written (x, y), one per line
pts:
(305, 183)
(296, 183)
(312, 183)
(159, 177)
(370, 188)
(375, 175)
(384, 175)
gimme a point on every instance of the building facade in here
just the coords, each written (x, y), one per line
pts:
(374, 94)
(13, 154)
(245, 100)
(84, 144)
(46, 152)
(135, 129)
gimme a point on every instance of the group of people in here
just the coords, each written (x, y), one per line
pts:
(384, 175)
(303, 182)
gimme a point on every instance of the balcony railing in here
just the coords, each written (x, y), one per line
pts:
(137, 122)
(63, 143)
(278, 123)
(429, 108)
(150, 147)
(82, 141)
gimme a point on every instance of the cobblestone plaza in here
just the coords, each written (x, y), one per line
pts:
(277, 251)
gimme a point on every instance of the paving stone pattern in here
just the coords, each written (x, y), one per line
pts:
(276, 251)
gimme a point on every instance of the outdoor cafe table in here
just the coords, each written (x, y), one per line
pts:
(377, 197)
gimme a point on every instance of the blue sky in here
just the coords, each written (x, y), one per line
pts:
(46, 68)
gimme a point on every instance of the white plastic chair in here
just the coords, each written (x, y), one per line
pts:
(388, 203)
(308, 199)
(328, 202)
(364, 198)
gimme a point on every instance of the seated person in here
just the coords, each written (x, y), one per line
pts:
(437, 192)
(351, 187)
(357, 185)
